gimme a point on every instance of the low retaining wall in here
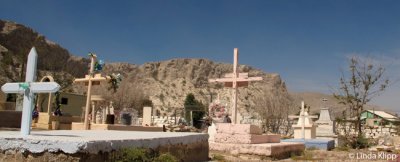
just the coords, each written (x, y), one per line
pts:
(97, 145)
(190, 152)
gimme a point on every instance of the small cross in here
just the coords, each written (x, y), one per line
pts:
(235, 80)
(29, 88)
(302, 118)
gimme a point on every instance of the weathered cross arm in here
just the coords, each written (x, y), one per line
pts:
(241, 75)
(293, 116)
(95, 78)
(46, 87)
(92, 79)
(309, 116)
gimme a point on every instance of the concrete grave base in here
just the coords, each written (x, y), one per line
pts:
(80, 126)
(274, 150)
(323, 144)
(98, 145)
(247, 139)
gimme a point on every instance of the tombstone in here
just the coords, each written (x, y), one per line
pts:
(146, 116)
(126, 118)
(212, 130)
(305, 128)
(29, 88)
(97, 100)
(104, 113)
(325, 125)
(111, 108)
(135, 117)
(99, 117)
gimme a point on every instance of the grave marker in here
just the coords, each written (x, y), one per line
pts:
(235, 80)
(147, 116)
(29, 88)
(304, 119)
(91, 79)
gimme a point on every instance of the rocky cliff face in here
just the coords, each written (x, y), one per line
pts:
(15, 42)
(166, 82)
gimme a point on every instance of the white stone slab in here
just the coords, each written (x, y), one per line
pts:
(92, 141)
(146, 116)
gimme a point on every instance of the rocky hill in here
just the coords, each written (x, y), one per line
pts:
(166, 83)
(15, 42)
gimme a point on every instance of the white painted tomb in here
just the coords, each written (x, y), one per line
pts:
(305, 127)
(325, 126)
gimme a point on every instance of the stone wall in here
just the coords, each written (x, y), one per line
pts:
(370, 132)
(10, 119)
(7, 105)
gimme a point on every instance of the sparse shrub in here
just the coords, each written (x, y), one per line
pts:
(355, 142)
(132, 154)
(218, 157)
(306, 155)
(312, 148)
(162, 97)
(342, 148)
(167, 157)
(143, 155)
(183, 82)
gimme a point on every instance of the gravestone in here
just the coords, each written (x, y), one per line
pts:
(146, 116)
(305, 128)
(325, 126)
(212, 130)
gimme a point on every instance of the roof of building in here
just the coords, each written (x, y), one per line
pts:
(383, 115)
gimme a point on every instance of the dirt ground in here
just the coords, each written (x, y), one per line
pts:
(316, 155)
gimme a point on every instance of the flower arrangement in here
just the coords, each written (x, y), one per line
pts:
(217, 110)
(115, 81)
(98, 65)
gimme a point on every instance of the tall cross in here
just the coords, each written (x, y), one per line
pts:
(29, 88)
(235, 80)
(302, 119)
(91, 79)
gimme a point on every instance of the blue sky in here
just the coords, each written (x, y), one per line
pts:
(305, 41)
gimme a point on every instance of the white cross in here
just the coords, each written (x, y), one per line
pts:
(29, 88)
(235, 80)
(302, 119)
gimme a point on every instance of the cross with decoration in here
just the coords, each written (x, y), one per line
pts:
(29, 88)
(94, 78)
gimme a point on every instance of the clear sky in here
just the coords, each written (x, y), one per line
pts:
(305, 41)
